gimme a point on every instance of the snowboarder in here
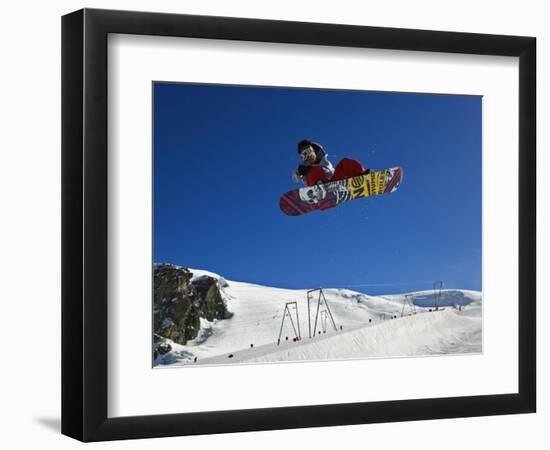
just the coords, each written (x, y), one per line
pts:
(316, 168)
(327, 187)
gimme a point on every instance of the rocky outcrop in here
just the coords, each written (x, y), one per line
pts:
(175, 313)
(210, 301)
(179, 303)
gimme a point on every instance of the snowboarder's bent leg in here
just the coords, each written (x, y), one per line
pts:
(347, 168)
(315, 175)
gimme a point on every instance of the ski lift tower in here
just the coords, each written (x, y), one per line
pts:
(438, 285)
(321, 300)
(408, 303)
(287, 313)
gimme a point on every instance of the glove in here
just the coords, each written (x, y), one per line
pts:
(303, 170)
(296, 177)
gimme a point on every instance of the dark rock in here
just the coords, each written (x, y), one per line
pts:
(209, 298)
(178, 304)
(175, 313)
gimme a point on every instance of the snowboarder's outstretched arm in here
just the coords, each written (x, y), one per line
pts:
(296, 177)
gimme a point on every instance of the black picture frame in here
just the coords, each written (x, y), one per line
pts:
(84, 224)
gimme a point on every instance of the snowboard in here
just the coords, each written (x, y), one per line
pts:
(333, 193)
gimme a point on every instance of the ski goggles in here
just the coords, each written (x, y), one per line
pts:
(304, 154)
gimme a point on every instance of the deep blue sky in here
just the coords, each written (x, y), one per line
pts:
(223, 155)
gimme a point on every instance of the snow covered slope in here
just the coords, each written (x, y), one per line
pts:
(364, 326)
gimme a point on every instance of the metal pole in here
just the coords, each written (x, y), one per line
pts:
(298, 321)
(438, 285)
(308, 315)
(291, 321)
(282, 322)
(317, 313)
(329, 311)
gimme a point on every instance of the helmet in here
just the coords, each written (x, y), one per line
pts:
(303, 144)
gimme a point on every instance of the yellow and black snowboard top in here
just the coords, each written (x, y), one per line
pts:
(333, 193)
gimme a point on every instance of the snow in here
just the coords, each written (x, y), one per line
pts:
(366, 326)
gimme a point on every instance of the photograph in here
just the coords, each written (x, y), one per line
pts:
(275, 225)
(306, 224)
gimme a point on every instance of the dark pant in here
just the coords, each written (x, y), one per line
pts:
(346, 168)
